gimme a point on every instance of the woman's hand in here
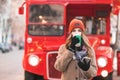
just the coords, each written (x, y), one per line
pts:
(84, 64)
(75, 40)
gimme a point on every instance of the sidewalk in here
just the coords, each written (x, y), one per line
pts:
(115, 77)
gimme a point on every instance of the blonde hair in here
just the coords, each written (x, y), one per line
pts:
(86, 43)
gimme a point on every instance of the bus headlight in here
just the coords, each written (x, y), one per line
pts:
(103, 41)
(102, 62)
(33, 60)
(104, 73)
(29, 40)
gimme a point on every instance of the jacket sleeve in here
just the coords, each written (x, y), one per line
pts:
(92, 71)
(63, 59)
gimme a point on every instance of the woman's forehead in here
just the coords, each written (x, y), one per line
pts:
(76, 29)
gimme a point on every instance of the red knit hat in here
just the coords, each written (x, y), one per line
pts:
(75, 23)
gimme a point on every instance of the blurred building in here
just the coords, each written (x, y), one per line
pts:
(115, 24)
(12, 25)
(18, 21)
(5, 29)
(113, 30)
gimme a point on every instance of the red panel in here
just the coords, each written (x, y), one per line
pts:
(116, 6)
(53, 73)
(118, 62)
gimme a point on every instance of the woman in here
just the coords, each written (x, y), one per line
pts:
(76, 58)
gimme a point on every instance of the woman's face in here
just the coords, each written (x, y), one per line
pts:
(76, 31)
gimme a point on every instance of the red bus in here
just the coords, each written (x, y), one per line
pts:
(46, 29)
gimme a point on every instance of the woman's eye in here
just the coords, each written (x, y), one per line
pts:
(79, 30)
(73, 30)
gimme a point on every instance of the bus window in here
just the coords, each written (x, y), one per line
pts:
(46, 13)
(45, 30)
(99, 26)
(95, 25)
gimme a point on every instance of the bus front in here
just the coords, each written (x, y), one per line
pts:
(45, 32)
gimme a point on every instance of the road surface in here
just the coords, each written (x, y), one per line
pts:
(11, 66)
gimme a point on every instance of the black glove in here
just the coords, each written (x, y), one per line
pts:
(84, 64)
(75, 40)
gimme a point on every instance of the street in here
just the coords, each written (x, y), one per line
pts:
(11, 66)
